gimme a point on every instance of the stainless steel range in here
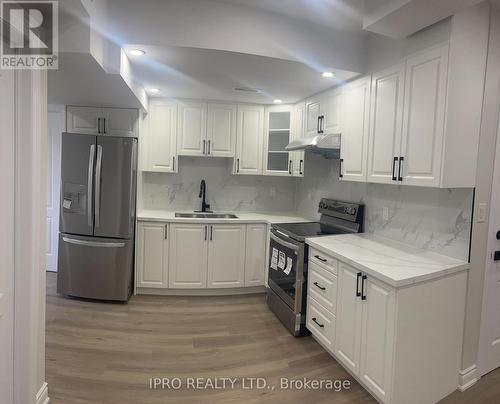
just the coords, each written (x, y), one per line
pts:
(288, 256)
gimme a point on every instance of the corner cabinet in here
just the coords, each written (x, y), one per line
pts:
(393, 341)
(201, 255)
(159, 138)
(249, 140)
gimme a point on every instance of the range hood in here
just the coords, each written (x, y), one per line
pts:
(328, 145)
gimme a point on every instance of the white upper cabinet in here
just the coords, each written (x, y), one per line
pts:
(424, 117)
(249, 140)
(226, 256)
(221, 130)
(355, 125)
(120, 121)
(102, 121)
(278, 134)
(331, 103)
(313, 112)
(299, 132)
(386, 124)
(192, 128)
(160, 137)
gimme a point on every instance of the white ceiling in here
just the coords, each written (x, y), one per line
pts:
(214, 74)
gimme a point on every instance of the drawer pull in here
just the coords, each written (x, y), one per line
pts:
(321, 259)
(321, 325)
(319, 287)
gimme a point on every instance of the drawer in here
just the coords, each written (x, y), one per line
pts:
(320, 323)
(328, 262)
(322, 286)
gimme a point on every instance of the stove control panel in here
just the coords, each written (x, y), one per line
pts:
(340, 209)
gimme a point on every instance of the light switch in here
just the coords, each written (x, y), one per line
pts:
(481, 212)
(385, 213)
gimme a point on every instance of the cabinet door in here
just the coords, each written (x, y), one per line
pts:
(83, 120)
(355, 121)
(347, 343)
(278, 132)
(221, 130)
(423, 119)
(299, 131)
(312, 115)
(249, 140)
(152, 255)
(192, 126)
(226, 256)
(377, 344)
(160, 137)
(255, 258)
(330, 109)
(386, 124)
(188, 256)
(120, 121)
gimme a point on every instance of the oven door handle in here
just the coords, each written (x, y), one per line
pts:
(283, 242)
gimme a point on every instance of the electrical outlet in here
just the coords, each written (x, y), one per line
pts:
(481, 212)
(385, 213)
(272, 192)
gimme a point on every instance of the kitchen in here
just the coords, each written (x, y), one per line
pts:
(297, 219)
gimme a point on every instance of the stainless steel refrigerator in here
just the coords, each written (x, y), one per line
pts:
(97, 216)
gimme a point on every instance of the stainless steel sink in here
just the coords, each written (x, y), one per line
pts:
(206, 215)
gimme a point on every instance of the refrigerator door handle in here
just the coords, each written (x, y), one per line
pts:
(97, 201)
(89, 184)
(104, 244)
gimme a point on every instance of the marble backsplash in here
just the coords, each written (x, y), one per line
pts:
(225, 192)
(433, 219)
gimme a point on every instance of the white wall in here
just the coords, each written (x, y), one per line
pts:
(225, 192)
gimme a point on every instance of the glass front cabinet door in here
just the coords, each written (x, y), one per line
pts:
(278, 134)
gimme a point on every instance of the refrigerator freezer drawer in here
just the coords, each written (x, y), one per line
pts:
(95, 268)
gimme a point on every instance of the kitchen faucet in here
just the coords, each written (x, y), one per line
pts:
(205, 207)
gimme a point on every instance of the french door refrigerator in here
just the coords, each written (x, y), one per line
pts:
(97, 216)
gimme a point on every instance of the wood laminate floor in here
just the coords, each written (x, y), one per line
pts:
(106, 353)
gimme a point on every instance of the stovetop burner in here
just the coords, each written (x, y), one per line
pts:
(300, 231)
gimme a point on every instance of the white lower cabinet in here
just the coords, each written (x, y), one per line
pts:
(403, 344)
(200, 255)
(226, 256)
(152, 255)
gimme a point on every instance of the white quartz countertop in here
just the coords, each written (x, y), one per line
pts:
(243, 217)
(389, 261)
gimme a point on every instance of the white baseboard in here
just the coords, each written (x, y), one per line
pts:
(468, 377)
(201, 292)
(42, 397)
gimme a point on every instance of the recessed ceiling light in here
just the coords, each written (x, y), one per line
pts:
(137, 52)
(154, 90)
(277, 101)
(327, 74)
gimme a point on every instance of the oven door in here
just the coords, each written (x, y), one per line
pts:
(285, 269)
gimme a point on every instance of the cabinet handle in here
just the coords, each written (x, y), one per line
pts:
(394, 178)
(340, 168)
(400, 171)
(173, 163)
(204, 147)
(206, 233)
(321, 259)
(208, 150)
(237, 165)
(166, 231)
(211, 233)
(319, 287)
(363, 295)
(290, 167)
(321, 325)
(300, 167)
(358, 275)
(322, 124)
(318, 125)
(104, 125)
